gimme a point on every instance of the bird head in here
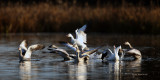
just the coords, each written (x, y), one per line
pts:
(51, 47)
(69, 35)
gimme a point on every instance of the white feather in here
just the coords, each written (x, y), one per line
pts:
(69, 46)
(81, 37)
(23, 45)
(83, 28)
(113, 56)
(25, 54)
(31, 49)
(132, 51)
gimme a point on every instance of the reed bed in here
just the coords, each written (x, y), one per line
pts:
(46, 17)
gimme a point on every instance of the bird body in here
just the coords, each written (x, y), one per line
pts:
(132, 51)
(112, 56)
(80, 39)
(25, 53)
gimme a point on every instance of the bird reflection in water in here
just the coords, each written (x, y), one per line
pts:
(118, 69)
(25, 70)
(78, 71)
(114, 70)
(134, 65)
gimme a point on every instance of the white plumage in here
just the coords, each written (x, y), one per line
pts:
(25, 53)
(81, 38)
(78, 56)
(132, 51)
(111, 55)
(63, 53)
(74, 48)
(80, 35)
(68, 45)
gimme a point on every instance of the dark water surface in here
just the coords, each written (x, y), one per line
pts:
(51, 66)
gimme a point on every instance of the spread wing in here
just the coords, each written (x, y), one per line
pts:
(81, 36)
(63, 53)
(91, 51)
(83, 28)
(33, 48)
(23, 45)
(68, 45)
(36, 47)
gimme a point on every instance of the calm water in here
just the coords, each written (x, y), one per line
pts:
(51, 66)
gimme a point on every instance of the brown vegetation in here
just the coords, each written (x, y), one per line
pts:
(46, 17)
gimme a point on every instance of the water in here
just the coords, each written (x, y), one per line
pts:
(50, 66)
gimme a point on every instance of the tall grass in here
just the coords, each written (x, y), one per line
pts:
(46, 17)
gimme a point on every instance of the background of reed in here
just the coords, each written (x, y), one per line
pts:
(66, 16)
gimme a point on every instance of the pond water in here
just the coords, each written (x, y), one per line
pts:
(51, 66)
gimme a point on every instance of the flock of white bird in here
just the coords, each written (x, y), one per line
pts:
(82, 52)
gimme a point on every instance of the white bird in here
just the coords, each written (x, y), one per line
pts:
(112, 56)
(78, 56)
(63, 53)
(84, 56)
(132, 51)
(81, 38)
(25, 53)
(87, 52)
(73, 47)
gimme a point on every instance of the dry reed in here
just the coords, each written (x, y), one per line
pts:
(45, 17)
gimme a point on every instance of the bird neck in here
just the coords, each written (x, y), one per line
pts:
(130, 46)
(116, 51)
(72, 37)
(77, 53)
(116, 56)
(77, 57)
(76, 31)
(20, 54)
